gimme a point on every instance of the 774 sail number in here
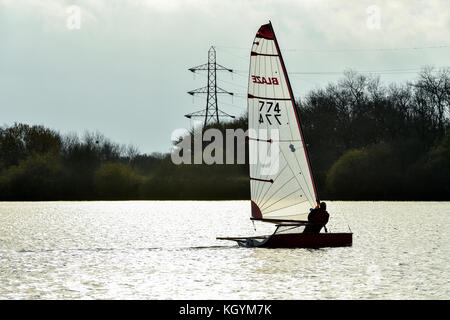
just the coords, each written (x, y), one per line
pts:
(267, 113)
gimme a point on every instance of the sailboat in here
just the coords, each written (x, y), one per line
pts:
(281, 181)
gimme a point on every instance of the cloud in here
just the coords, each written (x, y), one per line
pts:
(130, 57)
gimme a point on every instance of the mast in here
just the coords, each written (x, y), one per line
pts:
(282, 189)
(296, 113)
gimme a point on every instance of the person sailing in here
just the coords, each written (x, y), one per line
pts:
(318, 218)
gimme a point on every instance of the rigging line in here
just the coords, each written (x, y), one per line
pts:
(288, 229)
(343, 215)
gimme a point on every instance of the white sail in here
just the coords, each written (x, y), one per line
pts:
(288, 192)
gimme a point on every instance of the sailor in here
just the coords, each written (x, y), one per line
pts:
(318, 217)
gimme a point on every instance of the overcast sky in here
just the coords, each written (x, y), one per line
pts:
(124, 71)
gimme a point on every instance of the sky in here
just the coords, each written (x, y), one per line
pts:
(121, 67)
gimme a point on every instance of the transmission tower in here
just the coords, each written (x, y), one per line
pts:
(211, 112)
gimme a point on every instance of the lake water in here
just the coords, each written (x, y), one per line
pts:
(167, 250)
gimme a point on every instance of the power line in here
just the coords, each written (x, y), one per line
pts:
(380, 71)
(369, 49)
(443, 46)
(233, 105)
(229, 82)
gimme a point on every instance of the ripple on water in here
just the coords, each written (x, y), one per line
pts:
(167, 250)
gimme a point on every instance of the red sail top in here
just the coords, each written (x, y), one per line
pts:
(281, 182)
(265, 31)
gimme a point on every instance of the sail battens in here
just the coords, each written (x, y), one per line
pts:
(262, 180)
(254, 53)
(250, 96)
(261, 140)
(271, 109)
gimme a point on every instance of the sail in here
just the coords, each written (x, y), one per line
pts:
(282, 185)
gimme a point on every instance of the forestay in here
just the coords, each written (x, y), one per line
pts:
(281, 181)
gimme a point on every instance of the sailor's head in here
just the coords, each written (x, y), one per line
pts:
(323, 206)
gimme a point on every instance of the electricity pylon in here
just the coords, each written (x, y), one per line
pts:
(211, 112)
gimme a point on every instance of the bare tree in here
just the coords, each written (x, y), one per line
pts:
(435, 87)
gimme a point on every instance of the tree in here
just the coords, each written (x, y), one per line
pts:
(370, 173)
(38, 177)
(116, 181)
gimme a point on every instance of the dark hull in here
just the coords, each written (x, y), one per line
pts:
(298, 240)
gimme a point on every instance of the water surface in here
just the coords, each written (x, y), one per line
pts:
(167, 250)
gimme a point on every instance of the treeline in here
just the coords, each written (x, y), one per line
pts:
(371, 142)
(37, 163)
(366, 141)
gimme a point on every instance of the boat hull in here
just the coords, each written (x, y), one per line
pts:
(299, 240)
